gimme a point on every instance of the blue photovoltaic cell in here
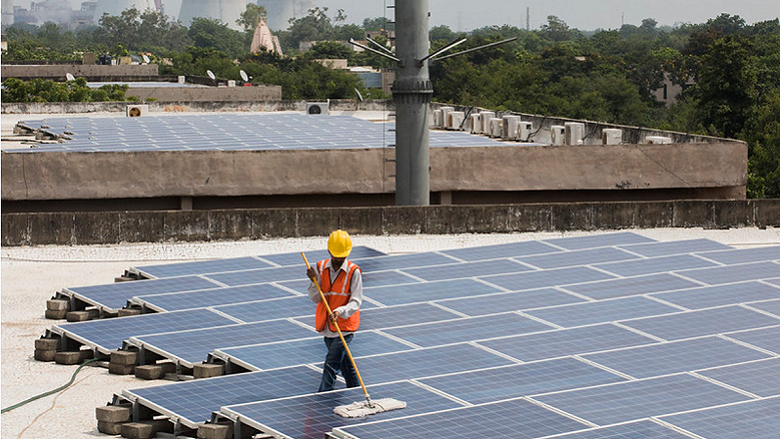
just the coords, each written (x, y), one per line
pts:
(193, 401)
(427, 291)
(632, 286)
(501, 251)
(202, 267)
(311, 350)
(215, 297)
(468, 269)
(108, 334)
(669, 358)
(311, 416)
(468, 329)
(546, 278)
(578, 257)
(753, 419)
(731, 257)
(380, 278)
(636, 400)
(655, 265)
(426, 362)
(593, 241)
(115, 296)
(733, 273)
(510, 382)
(771, 306)
(636, 430)
(377, 318)
(194, 346)
(264, 275)
(767, 338)
(703, 322)
(603, 311)
(773, 282)
(566, 342)
(759, 377)
(707, 297)
(259, 311)
(294, 258)
(501, 302)
(404, 261)
(516, 419)
(655, 249)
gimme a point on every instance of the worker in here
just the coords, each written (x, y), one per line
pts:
(342, 284)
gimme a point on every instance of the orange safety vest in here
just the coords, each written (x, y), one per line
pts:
(337, 293)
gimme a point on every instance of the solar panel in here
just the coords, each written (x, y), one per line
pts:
(635, 400)
(703, 322)
(734, 273)
(516, 419)
(632, 286)
(757, 377)
(634, 430)
(467, 329)
(602, 311)
(311, 416)
(578, 257)
(377, 318)
(753, 419)
(501, 383)
(495, 303)
(427, 291)
(561, 343)
(213, 297)
(294, 258)
(669, 358)
(190, 347)
(593, 241)
(656, 249)
(655, 265)
(115, 296)
(731, 257)
(501, 251)
(468, 269)
(707, 297)
(258, 311)
(201, 267)
(192, 402)
(109, 334)
(767, 338)
(308, 351)
(404, 261)
(770, 306)
(379, 278)
(265, 275)
(546, 278)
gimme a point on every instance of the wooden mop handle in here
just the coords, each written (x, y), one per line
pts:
(336, 324)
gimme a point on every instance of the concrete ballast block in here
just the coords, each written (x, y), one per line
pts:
(114, 413)
(120, 369)
(154, 371)
(126, 312)
(208, 370)
(56, 314)
(124, 357)
(109, 427)
(58, 305)
(146, 429)
(214, 431)
(47, 344)
(67, 357)
(77, 316)
(44, 354)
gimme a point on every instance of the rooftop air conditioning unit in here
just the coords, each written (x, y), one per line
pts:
(658, 140)
(476, 124)
(486, 116)
(496, 127)
(611, 136)
(317, 108)
(575, 132)
(524, 131)
(438, 122)
(137, 110)
(558, 135)
(509, 127)
(455, 120)
(445, 111)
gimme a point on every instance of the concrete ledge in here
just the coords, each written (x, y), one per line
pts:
(209, 225)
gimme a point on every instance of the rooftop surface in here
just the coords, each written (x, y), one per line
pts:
(30, 275)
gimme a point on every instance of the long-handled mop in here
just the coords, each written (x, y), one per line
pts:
(360, 408)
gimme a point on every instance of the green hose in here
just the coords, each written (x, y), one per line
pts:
(29, 400)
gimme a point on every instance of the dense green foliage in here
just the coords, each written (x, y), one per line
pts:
(730, 71)
(39, 90)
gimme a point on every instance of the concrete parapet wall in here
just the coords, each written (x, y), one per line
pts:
(207, 94)
(144, 226)
(91, 70)
(204, 106)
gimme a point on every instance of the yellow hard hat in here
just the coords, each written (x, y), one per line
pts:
(339, 244)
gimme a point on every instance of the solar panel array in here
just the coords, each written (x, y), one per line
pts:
(227, 132)
(603, 336)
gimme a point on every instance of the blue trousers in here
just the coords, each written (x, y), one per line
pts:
(337, 360)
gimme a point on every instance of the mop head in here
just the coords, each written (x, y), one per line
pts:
(362, 408)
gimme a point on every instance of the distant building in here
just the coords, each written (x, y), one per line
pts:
(669, 92)
(8, 13)
(263, 38)
(279, 12)
(56, 11)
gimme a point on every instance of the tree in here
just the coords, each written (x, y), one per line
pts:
(442, 34)
(212, 33)
(251, 17)
(556, 29)
(378, 24)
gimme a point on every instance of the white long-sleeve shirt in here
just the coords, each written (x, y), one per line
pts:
(355, 292)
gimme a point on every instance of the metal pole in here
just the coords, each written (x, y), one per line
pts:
(412, 91)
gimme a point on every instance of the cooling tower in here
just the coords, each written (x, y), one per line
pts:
(115, 7)
(279, 12)
(227, 11)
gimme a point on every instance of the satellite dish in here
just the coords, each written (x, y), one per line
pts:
(70, 77)
(360, 96)
(211, 74)
(146, 59)
(244, 76)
